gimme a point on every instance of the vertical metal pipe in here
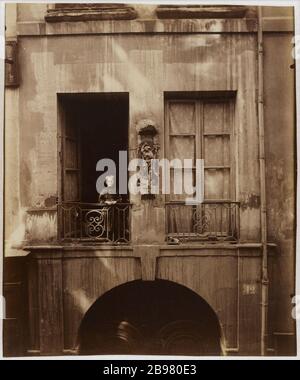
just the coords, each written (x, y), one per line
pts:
(263, 210)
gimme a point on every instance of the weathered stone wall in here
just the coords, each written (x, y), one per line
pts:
(280, 124)
(146, 66)
(65, 283)
(108, 57)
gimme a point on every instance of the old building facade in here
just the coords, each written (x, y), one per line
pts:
(149, 274)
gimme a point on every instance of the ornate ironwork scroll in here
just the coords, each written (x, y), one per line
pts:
(94, 222)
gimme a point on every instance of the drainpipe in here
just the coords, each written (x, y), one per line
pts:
(263, 209)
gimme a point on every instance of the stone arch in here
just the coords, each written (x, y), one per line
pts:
(150, 317)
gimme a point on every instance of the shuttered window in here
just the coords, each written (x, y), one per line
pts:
(203, 129)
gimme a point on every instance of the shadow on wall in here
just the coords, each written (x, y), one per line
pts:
(156, 318)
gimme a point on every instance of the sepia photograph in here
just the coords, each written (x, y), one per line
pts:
(149, 179)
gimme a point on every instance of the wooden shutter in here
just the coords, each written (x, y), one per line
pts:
(71, 159)
(182, 140)
(201, 129)
(218, 182)
(216, 140)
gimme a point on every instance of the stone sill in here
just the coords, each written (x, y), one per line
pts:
(184, 26)
(93, 251)
(91, 246)
(148, 26)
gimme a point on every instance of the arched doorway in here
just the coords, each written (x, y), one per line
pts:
(159, 317)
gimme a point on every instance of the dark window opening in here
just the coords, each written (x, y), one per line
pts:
(93, 127)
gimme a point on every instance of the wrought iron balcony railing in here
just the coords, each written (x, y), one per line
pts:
(94, 222)
(210, 221)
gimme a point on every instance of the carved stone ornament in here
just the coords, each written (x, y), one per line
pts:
(148, 148)
(147, 136)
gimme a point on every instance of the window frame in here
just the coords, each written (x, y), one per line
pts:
(199, 135)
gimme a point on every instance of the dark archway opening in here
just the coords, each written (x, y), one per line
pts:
(150, 318)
